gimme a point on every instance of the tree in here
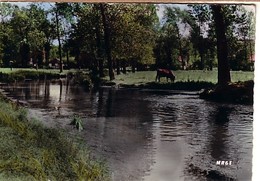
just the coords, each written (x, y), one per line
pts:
(63, 16)
(107, 34)
(199, 19)
(25, 32)
(133, 34)
(222, 47)
(129, 27)
(178, 21)
(8, 46)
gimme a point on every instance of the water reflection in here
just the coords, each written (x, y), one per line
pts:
(146, 135)
(218, 146)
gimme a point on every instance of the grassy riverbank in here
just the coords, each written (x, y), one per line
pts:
(144, 77)
(55, 71)
(193, 80)
(6, 75)
(239, 91)
(30, 151)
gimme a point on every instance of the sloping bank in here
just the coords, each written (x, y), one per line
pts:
(30, 151)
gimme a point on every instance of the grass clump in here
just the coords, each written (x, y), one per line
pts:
(77, 122)
(30, 151)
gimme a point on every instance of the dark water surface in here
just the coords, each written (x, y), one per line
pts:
(148, 135)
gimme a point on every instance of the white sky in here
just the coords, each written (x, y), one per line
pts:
(159, 12)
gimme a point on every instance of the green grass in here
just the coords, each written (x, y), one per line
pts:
(30, 151)
(6, 75)
(144, 77)
(55, 71)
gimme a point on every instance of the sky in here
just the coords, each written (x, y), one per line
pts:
(159, 12)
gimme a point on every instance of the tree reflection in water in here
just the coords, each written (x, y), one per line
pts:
(219, 133)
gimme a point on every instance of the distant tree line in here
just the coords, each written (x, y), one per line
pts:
(117, 36)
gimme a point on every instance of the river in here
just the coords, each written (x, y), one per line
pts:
(147, 134)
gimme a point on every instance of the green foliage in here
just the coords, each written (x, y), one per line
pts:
(23, 26)
(131, 30)
(82, 78)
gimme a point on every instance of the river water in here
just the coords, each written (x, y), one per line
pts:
(146, 134)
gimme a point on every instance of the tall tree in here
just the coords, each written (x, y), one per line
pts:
(107, 34)
(222, 47)
(178, 19)
(63, 15)
(199, 20)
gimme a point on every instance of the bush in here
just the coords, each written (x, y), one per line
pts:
(81, 78)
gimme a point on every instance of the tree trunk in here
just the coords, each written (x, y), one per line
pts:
(243, 64)
(107, 41)
(98, 43)
(211, 54)
(58, 35)
(169, 57)
(133, 64)
(100, 59)
(222, 48)
(47, 49)
(117, 66)
(183, 64)
(124, 66)
(67, 56)
(25, 54)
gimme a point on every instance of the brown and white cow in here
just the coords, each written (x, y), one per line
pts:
(165, 73)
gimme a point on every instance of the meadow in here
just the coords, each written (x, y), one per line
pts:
(144, 77)
(141, 77)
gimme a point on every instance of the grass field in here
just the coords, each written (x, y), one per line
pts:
(144, 77)
(181, 76)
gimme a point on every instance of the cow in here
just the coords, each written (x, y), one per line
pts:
(165, 73)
